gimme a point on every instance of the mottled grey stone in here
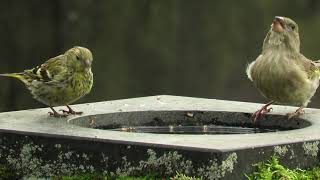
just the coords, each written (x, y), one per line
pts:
(30, 139)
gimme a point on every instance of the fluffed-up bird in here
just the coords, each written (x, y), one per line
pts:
(281, 73)
(61, 80)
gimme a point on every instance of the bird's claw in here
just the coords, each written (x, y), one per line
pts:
(297, 113)
(266, 110)
(57, 115)
(71, 112)
(257, 115)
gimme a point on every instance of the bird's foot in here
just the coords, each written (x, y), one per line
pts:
(297, 113)
(71, 111)
(257, 115)
(57, 115)
(264, 109)
(54, 113)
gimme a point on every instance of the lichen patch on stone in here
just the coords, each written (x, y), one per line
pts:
(311, 148)
(281, 150)
(216, 171)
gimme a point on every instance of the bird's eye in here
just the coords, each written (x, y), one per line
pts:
(78, 58)
(292, 27)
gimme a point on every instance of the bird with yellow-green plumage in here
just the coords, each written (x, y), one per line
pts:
(61, 80)
(281, 73)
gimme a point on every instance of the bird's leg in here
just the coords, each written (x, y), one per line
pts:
(70, 111)
(54, 113)
(297, 113)
(263, 110)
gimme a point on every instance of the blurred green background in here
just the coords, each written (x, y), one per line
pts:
(149, 47)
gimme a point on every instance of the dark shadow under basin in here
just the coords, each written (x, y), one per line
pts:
(189, 122)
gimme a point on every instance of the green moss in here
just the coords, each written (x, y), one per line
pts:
(8, 173)
(100, 177)
(179, 176)
(273, 170)
(137, 178)
(81, 177)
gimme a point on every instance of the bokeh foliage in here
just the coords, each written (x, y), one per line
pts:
(149, 47)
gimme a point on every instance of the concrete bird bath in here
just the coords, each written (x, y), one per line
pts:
(211, 138)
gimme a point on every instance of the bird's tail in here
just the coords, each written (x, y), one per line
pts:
(19, 76)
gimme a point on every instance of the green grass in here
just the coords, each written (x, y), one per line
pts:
(100, 177)
(184, 177)
(178, 176)
(272, 170)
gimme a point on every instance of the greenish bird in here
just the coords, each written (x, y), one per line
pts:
(61, 80)
(281, 73)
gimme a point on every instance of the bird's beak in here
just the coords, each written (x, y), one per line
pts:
(278, 24)
(87, 63)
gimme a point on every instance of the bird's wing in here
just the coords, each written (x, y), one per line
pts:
(311, 67)
(53, 70)
(249, 70)
(315, 68)
(317, 63)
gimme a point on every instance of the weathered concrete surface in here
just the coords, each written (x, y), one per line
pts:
(53, 141)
